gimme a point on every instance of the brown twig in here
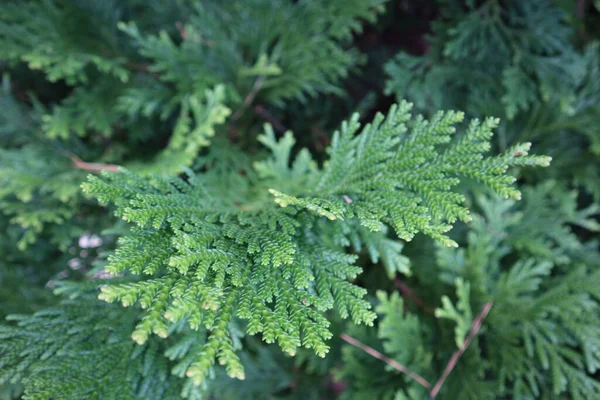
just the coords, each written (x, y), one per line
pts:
(95, 167)
(196, 38)
(181, 30)
(449, 367)
(137, 67)
(407, 292)
(320, 138)
(371, 351)
(141, 68)
(581, 8)
(581, 4)
(267, 116)
(457, 354)
(249, 98)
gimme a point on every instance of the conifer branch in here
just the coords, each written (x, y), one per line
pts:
(211, 266)
(257, 252)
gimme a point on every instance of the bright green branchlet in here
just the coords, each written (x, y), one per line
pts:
(207, 256)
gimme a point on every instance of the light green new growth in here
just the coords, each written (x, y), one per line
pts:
(209, 251)
(395, 172)
(461, 314)
(195, 126)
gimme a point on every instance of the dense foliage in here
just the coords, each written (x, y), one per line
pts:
(166, 235)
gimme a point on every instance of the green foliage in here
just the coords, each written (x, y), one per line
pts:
(64, 40)
(396, 327)
(544, 314)
(461, 314)
(249, 258)
(398, 156)
(477, 43)
(227, 240)
(535, 261)
(516, 60)
(87, 344)
(28, 172)
(401, 336)
(287, 51)
(166, 87)
(544, 318)
(198, 119)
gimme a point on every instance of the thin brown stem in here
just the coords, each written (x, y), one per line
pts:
(581, 8)
(95, 167)
(181, 29)
(196, 38)
(371, 351)
(449, 367)
(137, 67)
(141, 68)
(457, 354)
(249, 97)
(267, 116)
(407, 292)
(581, 5)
